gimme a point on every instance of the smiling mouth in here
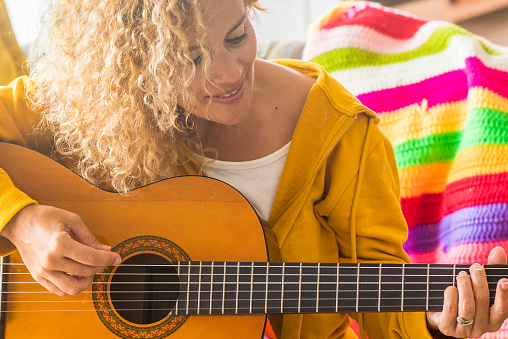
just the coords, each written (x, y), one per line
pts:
(228, 95)
(230, 98)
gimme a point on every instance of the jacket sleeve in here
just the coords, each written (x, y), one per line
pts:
(16, 126)
(368, 220)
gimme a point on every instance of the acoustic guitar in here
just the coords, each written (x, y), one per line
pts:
(194, 265)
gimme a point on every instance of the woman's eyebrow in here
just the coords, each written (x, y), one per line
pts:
(238, 23)
(242, 19)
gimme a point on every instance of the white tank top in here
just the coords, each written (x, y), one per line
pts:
(256, 179)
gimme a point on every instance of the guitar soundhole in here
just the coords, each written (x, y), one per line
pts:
(144, 288)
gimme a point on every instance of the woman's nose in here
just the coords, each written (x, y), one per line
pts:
(226, 68)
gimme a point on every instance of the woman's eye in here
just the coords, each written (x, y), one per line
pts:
(197, 61)
(237, 40)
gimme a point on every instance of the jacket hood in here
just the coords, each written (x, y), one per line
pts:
(316, 133)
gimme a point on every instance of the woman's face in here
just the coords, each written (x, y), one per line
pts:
(233, 47)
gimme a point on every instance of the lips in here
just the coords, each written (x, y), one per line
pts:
(230, 97)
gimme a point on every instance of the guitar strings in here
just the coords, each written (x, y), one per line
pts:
(273, 275)
(436, 287)
(245, 283)
(264, 265)
(208, 304)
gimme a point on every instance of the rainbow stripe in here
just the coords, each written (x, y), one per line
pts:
(442, 96)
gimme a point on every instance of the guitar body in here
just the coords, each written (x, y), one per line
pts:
(183, 218)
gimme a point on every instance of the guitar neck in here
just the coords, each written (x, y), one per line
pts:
(271, 288)
(3, 267)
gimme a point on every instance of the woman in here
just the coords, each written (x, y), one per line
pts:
(137, 91)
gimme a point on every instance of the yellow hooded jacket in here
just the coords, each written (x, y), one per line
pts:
(337, 200)
(12, 57)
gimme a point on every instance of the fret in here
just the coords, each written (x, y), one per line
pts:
(291, 286)
(309, 288)
(283, 283)
(230, 288)
(274, 294)
(357, 288)
(441, 276)
(245, 288)
(177, 305)
(428, 287)
(348, 287)
(199, 287)
(327, 288)
(205, 288)
(317, 287)
(237, 286)
(300, 289)
(259, 288)
(223, 288)
(266, 288)
(184, 296)
(403, 282)
(379, 288)
(454, 275)
(251, 287)
(415, 287)
(193, 287)
(494, 273)
(218, 288)
(368, 288)
(391, 288)
(210, 310)
(337, 294)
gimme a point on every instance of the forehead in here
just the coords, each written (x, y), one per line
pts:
(221, 15)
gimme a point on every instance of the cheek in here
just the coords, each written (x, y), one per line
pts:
(197, 83)
(251, 50)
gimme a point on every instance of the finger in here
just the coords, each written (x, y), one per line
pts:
(481, 294)
(467, 307)
(69, 284)
(447, 319)
(499, 310)
(83, 235)
(51, 287)
(497, 256)
(89, 256)
(78, 269)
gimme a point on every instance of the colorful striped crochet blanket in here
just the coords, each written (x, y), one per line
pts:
(442, 96)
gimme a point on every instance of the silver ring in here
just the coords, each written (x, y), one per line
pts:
(464, 322)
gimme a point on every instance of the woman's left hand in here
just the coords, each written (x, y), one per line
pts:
(469, 303)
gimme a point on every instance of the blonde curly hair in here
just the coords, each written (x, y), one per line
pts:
(107, 77)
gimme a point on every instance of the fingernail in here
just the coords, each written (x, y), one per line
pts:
(106, 247)
(463, 273)
(477, 266)
(118, 260)
(504, 286)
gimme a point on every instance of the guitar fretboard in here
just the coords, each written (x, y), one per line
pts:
(269, 288)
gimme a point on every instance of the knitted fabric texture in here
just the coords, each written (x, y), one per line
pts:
(442, 96)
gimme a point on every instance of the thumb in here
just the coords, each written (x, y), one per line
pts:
(497, 256)
(82, 234)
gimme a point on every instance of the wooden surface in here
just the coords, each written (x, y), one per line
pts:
(186, 211)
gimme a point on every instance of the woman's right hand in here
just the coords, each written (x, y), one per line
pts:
(57, 248)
